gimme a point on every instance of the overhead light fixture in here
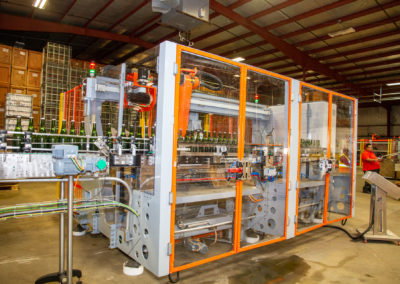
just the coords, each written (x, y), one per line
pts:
(238, 59)
(342, 32)
(39, 4)
(393, 84)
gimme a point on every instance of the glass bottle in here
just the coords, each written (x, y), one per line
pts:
(234, 142)
(139, 137)
(42, 139)
(53, 139)
(92, 146)
(180, 137)
(63, 139)
(131, 134)
(82, 139)
(17, 138)
(31, 129)
(194, 139)
(72, 131)
(200, 140)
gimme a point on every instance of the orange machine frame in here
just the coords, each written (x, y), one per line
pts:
(239, 184)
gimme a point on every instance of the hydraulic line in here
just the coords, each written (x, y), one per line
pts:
(58, 207)
(361, 235)
(203, 75)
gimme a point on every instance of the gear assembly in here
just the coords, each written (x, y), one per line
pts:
(224, 157)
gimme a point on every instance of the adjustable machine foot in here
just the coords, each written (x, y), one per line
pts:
(58, 277)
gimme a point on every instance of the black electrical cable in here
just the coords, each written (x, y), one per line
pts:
(203, 75)
(361, 235)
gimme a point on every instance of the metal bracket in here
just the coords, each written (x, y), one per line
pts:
(169, 249)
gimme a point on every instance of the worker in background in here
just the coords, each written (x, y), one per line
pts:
(344, 161)
(370, 164)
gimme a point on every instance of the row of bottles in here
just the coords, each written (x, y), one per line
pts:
(203, 141)
(46, 141)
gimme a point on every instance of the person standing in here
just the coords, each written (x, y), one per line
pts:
(370, 164)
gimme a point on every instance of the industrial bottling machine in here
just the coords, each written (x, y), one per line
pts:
(225, 157)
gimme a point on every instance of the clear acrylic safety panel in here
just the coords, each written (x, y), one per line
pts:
(340, 188)
(314, 133)
(207, 147)
(265, 159)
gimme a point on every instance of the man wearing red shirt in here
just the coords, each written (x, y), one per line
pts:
(370, 164)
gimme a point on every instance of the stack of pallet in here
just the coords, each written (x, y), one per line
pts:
(20, 72)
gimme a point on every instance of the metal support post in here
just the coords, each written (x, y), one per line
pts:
(62, 196)
(70, 223)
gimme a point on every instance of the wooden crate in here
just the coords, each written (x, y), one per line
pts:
(3, 92)
(5, 74)
(19, 58)
(34, 60)
(5, 54)
(33, 79)
(78, 64)
(36, 116)
(18, 77)
(35, 93)
(17, 90)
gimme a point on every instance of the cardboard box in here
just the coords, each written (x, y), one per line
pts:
(3, 92)
(33, 79)
(34, 60)
(17, 90)
(18, 77)
(5, 74)
(19, 58)
(35, 93)
(5, 54)
(36, 116)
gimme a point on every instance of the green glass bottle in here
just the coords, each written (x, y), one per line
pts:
(72, 131)
(17, 138)
(31, 129)
(234, 142)
(123, 136)
(42, 139)
(109, 135)
(63, 139)
(180, 137)
(193, 141)
(200, 140)
(153, 138)
(93, 139)
(53, 139)
(139, 137)
(131, 134)
(82, 139)
(209, 141)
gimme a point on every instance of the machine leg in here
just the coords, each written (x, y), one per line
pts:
(64, 276)
(173, 280)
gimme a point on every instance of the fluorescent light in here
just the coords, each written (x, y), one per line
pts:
(342, 32)
(393, 84)
(238, 59)
(39, 3)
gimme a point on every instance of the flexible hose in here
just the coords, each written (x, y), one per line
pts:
(361, 235)
(203, 75)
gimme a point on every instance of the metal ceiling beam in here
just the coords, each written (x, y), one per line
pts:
(319, 26)
(67, 11)
(17, 23)
(296, 55)
(102, 53)
(326, 37)
(119, 21)
(140, 50)
(286, 21)
(251, 18)
(235, 5)
(101, 10)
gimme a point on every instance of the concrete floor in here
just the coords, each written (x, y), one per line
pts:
(29, 249)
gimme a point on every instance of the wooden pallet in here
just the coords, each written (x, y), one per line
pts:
(9, 186)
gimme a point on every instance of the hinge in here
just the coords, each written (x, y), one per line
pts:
(290, 185)
(175, 68)
(295, 219)
(297, 184)
(171, 198)
(169, 249)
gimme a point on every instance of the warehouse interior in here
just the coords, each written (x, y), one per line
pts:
(199, 141)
